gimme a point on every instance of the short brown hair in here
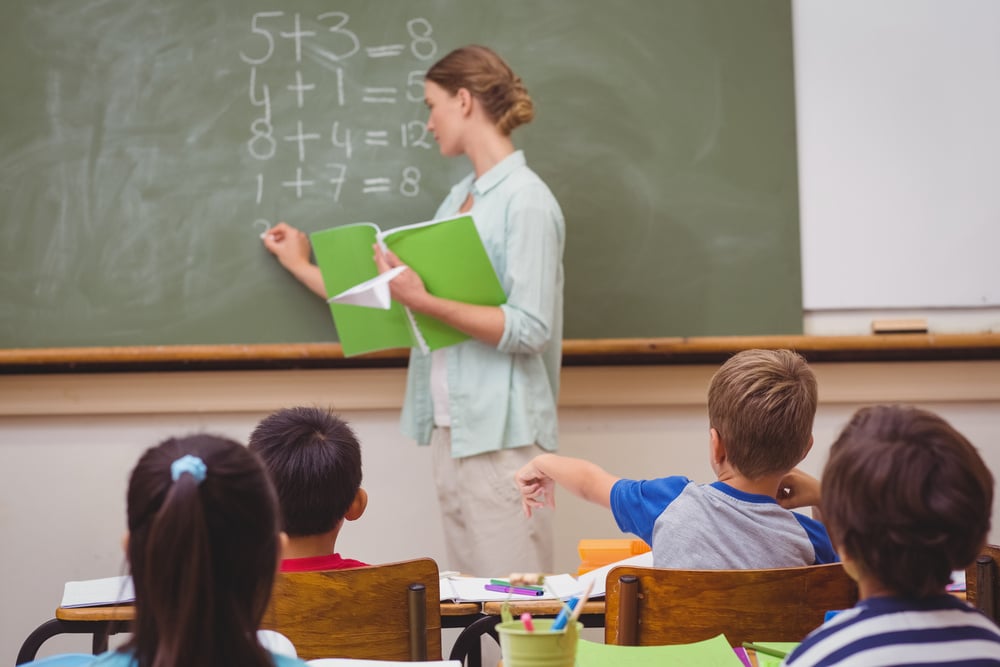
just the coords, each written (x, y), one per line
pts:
(907, 497)
(762, 404)
(490, 80)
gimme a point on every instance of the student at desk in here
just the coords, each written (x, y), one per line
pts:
(314, 460)
(203, 547)
(761, 405)
(907, 500)
(488, 405)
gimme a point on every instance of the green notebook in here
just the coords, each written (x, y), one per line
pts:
(447, 254)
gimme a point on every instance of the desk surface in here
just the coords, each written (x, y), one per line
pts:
(540, 607)
(126, 612)
(123, 612)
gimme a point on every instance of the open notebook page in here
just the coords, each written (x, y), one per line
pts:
(98, 592)
(473, 589)
(601, 574)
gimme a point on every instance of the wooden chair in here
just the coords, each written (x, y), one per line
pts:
(982, 582)
(647, 606)
(380, 612)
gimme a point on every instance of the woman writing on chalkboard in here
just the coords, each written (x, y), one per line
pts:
(488, 405)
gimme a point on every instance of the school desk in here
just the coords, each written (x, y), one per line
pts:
(474, 618)
(101, 622)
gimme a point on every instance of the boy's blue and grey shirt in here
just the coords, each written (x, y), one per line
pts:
(716, 527)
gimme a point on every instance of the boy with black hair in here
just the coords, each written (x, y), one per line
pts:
(314, 460)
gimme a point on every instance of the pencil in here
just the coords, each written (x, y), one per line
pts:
(773, 652)
(513, 589)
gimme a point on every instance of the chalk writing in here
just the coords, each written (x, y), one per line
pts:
(300, 64)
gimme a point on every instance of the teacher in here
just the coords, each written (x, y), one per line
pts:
(485, 406)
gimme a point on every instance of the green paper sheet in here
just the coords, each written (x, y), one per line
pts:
(344, 255)
(714, 652)
(771, 661)
(450, 258)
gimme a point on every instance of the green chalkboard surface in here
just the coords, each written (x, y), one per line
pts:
(146, 144)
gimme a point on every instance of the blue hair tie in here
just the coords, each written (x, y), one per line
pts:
(192, 465)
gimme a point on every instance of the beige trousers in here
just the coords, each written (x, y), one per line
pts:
(485, 530)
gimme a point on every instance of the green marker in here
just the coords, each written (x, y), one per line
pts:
(501, 582)
(773, 652)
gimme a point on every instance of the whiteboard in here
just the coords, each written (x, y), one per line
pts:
(898, 105)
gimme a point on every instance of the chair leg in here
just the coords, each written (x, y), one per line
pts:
(29, 649)
(417, 600)
(467, 648)
(628, 610)
(99, 629)
(985, 583)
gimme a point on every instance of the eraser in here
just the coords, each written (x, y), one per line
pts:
(913, 325)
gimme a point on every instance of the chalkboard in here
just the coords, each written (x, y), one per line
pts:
(146, 144)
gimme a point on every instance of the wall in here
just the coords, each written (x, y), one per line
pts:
(69, 441)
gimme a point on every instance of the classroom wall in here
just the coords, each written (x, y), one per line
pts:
(69, 441)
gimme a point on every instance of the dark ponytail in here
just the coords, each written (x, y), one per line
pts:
(203, 550)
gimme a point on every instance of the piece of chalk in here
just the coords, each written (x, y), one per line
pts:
(914, 325)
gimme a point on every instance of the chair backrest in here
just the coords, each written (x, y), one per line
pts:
(379, 612)
(649, 606)
(982, 583)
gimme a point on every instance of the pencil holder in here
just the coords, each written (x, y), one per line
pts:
(542, 647)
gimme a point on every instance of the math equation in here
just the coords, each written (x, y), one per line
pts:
(322, 97)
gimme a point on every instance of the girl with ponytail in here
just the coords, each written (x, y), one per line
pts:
(203, 546)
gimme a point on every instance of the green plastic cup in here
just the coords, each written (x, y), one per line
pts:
(540, 648)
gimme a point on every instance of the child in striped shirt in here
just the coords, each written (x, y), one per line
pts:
(906, 500)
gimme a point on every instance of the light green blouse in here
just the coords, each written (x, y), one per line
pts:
(503, 396)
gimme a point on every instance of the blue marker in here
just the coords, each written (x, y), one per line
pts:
(564, 613)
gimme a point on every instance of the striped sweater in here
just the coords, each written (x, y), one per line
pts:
(886, 631)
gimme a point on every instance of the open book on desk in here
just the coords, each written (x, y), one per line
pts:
(600, 575)
(98, 592)
(447, 254)
(557, 586)
(473, 589)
